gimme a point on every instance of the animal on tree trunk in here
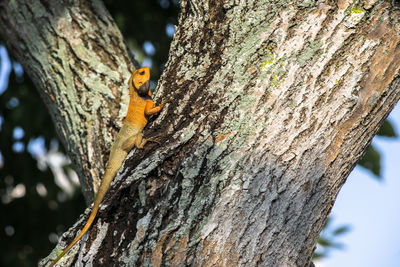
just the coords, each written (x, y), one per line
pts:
(141, 106)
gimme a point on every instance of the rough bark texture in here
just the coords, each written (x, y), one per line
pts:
(270, 105)
(76, 57)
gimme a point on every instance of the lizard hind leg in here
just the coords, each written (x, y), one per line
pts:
(128, 144)
(140, 141)
(127, 137)
(137, 141)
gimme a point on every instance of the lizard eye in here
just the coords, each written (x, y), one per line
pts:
(141, 73)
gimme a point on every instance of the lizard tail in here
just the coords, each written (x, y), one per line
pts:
(105, 183)
(84, 230)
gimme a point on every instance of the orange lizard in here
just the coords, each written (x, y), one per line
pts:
(141, 106)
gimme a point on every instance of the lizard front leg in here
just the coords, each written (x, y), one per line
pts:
(150, 109)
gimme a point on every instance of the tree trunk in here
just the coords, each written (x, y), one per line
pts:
(270, 105)
(76, 57)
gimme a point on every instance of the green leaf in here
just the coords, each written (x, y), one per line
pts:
(318, 255)
(327, 243)
(387, 130)
(341, 230)
(324, 242)
(372, 161)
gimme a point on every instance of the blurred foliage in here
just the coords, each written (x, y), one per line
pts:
(372, 158)
(30, 201)
(372, 161)
(327, 239)
(30, 218)
(28, 221)
(147, 27)
(387, 130)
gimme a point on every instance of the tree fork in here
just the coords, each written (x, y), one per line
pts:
(75, 55)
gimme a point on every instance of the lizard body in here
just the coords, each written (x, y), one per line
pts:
(141, 106)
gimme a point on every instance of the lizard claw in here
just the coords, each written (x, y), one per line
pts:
(152, 139)
(163, 102)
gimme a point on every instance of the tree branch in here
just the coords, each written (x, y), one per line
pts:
(75, 55)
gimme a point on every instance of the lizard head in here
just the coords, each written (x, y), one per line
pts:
(140, 81)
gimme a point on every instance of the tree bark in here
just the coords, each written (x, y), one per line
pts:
(76, 57)
(269, 106)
